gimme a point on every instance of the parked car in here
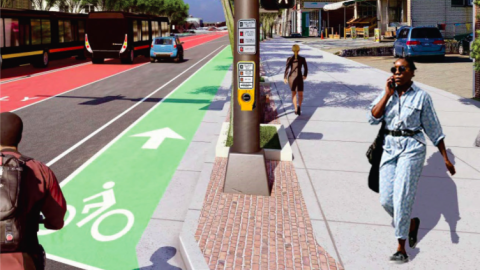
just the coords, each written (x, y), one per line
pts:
(418, 42)
(296, 35)
(167, 48)
(464, 43)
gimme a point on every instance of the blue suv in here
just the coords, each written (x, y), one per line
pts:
(166, 47)
(419, 41)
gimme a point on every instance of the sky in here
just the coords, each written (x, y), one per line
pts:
(208, 10)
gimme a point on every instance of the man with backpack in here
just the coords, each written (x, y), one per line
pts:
(27, 188)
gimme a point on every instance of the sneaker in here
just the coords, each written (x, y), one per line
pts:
(412, 236)
(399, 258)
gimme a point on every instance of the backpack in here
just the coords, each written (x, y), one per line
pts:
(11, 221)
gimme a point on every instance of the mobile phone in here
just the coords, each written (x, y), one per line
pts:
(393, 85)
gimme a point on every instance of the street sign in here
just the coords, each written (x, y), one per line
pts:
(277, 4)
(246, 84)
(247, 36)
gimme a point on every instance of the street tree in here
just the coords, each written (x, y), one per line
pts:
(43, 4)
(72, 6)
(6, 3)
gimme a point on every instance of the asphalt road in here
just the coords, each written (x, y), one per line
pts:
(52, 127)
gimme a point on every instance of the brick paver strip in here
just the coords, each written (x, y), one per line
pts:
(256, 232)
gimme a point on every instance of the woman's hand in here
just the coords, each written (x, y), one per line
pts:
(285, 81)
(450, 167)
(389, 91)
(304, 78)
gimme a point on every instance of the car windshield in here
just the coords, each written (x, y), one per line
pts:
(426, 33)
(163, 41)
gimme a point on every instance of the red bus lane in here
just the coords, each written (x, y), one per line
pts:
(17, 94)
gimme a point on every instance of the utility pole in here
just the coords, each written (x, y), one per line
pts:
(246, 169)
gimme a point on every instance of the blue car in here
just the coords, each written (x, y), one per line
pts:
(419, 41)
(166, 48)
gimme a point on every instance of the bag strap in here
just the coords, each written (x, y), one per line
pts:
(22, 158)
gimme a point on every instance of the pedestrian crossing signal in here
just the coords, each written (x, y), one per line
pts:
(277, 4)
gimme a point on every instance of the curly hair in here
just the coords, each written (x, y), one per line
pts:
(410, 62)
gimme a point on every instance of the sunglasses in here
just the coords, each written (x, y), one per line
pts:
(401, 69)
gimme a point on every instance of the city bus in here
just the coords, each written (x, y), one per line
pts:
(122, 35)
(36, 37)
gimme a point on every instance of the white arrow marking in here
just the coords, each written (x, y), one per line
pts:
(157, 137)
(28, 98)
(4, 98)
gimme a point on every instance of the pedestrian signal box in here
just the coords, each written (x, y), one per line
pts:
(246, 85)
(277, 4)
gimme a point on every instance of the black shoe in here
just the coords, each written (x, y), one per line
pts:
(399, 258)
(296, 112)
(412, 236)
(299, 110)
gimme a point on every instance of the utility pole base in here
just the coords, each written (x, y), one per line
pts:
(247, 174)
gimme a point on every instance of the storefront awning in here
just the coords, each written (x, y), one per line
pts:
(339, 5)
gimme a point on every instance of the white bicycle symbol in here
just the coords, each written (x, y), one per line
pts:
(108, 201)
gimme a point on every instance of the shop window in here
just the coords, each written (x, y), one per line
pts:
(461, 3)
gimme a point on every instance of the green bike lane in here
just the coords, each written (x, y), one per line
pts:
(112, 197)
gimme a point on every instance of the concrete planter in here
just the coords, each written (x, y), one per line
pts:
(265, 84)
(285, 154)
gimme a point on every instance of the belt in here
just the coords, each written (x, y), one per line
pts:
(402, 133)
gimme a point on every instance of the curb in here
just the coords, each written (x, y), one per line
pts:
(191, 253)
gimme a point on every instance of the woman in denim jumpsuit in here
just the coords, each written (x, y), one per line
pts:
(407, 110)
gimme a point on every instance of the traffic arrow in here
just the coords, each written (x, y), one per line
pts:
(157, 137)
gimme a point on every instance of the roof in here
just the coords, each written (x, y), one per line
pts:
(338, 5)
(121, 15)
(29, 12)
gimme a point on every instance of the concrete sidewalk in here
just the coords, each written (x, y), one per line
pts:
(329, 142)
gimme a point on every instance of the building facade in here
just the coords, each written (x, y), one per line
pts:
(453, 17)
(476, 90)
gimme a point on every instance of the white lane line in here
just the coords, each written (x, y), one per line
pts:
(70, 262)
(100, 79)
(120, 115)
(43, 73)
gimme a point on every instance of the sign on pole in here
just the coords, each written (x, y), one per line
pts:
(247, 36)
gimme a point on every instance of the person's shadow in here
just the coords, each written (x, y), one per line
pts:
(160, 259)
(436, 196)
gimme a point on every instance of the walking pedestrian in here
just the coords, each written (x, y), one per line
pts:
(406, 110)
(39, 191)
(293, 75)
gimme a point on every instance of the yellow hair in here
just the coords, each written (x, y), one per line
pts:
(295, 48)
